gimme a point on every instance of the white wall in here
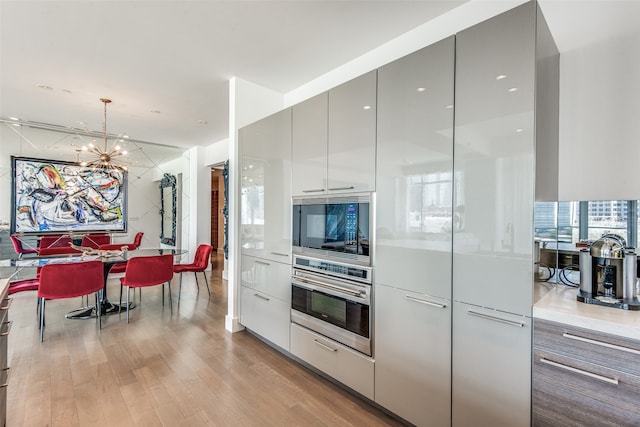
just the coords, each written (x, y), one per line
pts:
(600, 121)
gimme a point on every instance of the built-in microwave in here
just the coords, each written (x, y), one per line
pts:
(335, 227)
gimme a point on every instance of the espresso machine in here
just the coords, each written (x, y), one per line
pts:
(608, 274)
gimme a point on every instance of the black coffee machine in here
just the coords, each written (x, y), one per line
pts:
(608, 274)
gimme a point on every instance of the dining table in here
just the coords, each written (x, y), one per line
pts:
(108, 258)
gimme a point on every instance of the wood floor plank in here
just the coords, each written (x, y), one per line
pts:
(164, 369)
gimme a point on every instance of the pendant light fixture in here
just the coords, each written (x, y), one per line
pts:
(105, 157)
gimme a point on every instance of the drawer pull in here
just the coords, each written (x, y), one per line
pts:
(331, 349)
(580, 371)
(313, 191)
(422, 301)
(261, 262)
(279, 254)
(6, 307)
(601, 343)
(261, 297)
(351, 187)
(496, 319)
(8, 328)
(5, 371)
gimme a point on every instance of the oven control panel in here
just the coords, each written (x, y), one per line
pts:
(353, 272)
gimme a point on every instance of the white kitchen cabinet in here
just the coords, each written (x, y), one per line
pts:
(334, 137)
(506, 93)
(413, 356)
(414, 171)
(309, 150)
(265, 299)
(351, 152)
(348, 366)
(265, 198)
(491, 381)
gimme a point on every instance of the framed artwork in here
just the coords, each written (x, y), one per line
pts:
(52, 197)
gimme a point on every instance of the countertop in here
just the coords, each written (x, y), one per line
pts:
(560, 305)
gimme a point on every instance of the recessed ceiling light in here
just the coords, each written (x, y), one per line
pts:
(421, 89)
(154, 111)
(43, 86)
(367, 107)
(501, 77)
(67, 91)
(519, 130)
(513, 89)
(16, 124)
(14, 118)
(203, 122)
(125, 136)
(448, 107)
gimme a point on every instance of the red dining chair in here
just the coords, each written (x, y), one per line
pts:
(58, 281)
(120, 268)
(95, 240)
(58, 250)
(200, 263)
(54, 241)
(146, 271)
(20, 248)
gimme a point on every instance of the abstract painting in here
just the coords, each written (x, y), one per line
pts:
(52, 196)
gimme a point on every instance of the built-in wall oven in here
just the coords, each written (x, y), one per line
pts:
(333, 299)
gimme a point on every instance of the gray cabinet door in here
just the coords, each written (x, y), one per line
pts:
(352, 135)
(265, 228)
(413, 356)
(309, 149)
(495, 161)
(491, 365)
(414, 172)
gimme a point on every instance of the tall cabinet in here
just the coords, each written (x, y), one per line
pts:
(414, 178)
(506, 124)
(265, 227)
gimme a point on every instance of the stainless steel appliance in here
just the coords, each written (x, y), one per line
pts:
(333, 299)
(608, 273)
(335, 228)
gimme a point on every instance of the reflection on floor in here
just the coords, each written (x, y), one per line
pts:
(180, 369)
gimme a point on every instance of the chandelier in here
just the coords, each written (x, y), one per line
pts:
(105, 157)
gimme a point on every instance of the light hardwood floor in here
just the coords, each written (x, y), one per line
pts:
(183, 369)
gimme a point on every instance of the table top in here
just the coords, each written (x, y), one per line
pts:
(39, 261)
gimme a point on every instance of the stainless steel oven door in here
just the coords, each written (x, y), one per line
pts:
(332, 307)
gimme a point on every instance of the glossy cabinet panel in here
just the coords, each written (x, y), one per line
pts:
(265, 200)
(339, 362)
(352, 135)
(414, 171)
(495, 162)
(491, 365)
(413, 356)
(5, 328)
(309, 151)
(265, 299)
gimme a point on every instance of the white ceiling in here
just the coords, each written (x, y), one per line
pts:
(176, 57)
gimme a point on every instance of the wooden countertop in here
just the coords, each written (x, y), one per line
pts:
(560, 305)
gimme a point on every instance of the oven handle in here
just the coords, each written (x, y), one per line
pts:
(329, 286)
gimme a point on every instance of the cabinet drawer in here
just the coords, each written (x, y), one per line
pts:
(572, 392)
(265, 315)
(345, 365)
(5, 327)
(266, 276)
(619, 353)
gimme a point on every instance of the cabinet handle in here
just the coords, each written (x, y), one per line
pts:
(261, 297)
(601, 343)
(7, 378)
(496, 319)
(314, 191)
(6, 307)
(580, 371)
(422, 301)
(261, 262)
(9, 324)
(331, 349)
(279, 254)
(351, 187)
